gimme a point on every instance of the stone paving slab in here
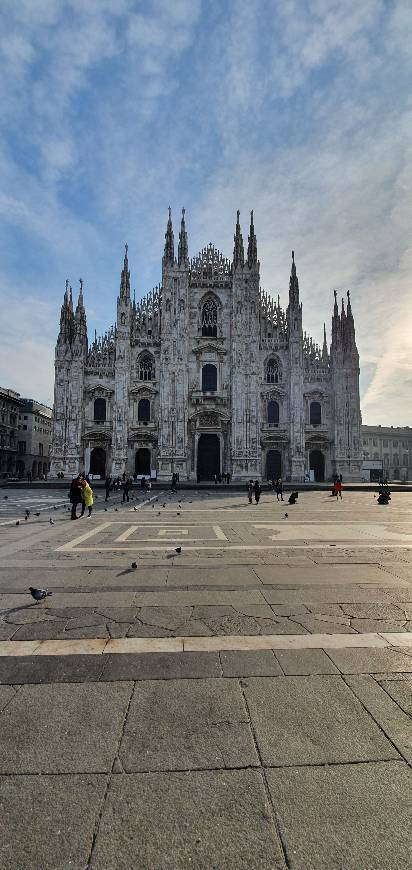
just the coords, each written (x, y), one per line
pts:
(401, 692)
(325, 574)
(305, 662)
(66, 728)
(312, 720)
(51, 669)
(370, 661)
(213, 819)
(394, 722)
(186, 725)
(261, 663)
(350, 817)
(161, 666)
(59, 813)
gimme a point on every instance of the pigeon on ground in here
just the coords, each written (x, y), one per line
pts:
(51, 521)
(38, 594)
(106, 510)
(134, 565)
(286, 515)
(178, 550)
(158, 513)
(37, 514)
(135, 508)
(178, 514)
(6, 496)
(54, 507)
(116, 510)
(164, 505)
(18, 523)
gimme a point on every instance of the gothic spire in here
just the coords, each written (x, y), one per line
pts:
(183, 249)
(125, 278)
(238, 250)
(169, 251)
(293, 285)
(80, 316)
(252, 245)
(325, 344)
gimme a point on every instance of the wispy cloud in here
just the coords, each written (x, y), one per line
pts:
(299, 109)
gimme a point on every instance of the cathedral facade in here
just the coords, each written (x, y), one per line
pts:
(207, 374)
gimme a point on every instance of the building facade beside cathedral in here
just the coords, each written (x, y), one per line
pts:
(207, 374)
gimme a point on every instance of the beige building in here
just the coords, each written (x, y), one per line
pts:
(387, 449)
(25, 436)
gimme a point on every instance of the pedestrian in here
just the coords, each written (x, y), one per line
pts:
(338, 488)
(126, 487)
(340, 479)
(250, 491)
(75, 495)
(29, 477)
(215, 478)
(107, 486)
(143, 483)
(279, 489)
(228, 477)
(87, 498)
(257, 490)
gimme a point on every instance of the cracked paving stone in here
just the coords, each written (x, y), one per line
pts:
(187, 724)
(140, 630)
(262, 610)
(7, 630)
(401, 692)
(205, 611)
(85, 621)
(289, 609)
(373, 611)
(324, 626)
(118, 629)
(31, 613)
(326, 610)
(233, 625)
(93, 631)
(193, 628)
(6, 694)
(371, 625)
(165, 617)
(40, 630)
(118, 614)
(279, 626)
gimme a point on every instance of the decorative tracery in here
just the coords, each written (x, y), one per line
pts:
(273, 371)
(209, 318)
(146, 368)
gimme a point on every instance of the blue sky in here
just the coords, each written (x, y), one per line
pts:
(299, 109)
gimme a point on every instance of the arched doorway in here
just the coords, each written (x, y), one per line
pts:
(142, 461)
(98, 461)
(273, 464)
(208, 457)
(317, 464)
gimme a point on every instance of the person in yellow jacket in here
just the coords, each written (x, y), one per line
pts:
(87, 498)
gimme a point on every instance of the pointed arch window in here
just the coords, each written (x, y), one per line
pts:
(209, 318)
(273, 371)
(146, 368)
(143, 411)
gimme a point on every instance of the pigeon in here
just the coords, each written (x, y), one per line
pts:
(158, 513)
(116, 510)
(6, 496)
(135, 508)
(38, 594)
(54, 507)
(18, 523)
(286, 515)
(106, 510)
(134, 565)
(178, 550)
(26, 517)
(164, 505)
(51, 521)
(178, 514)
(38, 513)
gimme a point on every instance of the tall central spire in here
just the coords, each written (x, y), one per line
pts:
(293, 285)
(183, 249)
(238, 250)
(169, 250)
(252, 245)
(125, 277)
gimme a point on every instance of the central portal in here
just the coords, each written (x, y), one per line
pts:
(208, 457)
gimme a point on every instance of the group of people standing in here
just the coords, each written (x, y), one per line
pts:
(81, 493)
(254, 489)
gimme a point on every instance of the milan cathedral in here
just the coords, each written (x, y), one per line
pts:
(206, 375)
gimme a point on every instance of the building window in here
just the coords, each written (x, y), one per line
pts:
(386, 459)
(394, 444)
(209, 378)
(315, 414)
(395, 459)
(405, 444)
(24, 427)
(405, 458)
(374, 442)
(273, 413)
(100, 410)
(385, 442)
(146, 368)
(143, 411)
(209, 319)
(273, 372)
(21, 446)
(40, 449)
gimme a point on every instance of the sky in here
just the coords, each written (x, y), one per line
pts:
(298, 109)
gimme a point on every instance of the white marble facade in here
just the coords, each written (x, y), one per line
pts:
(207, 374)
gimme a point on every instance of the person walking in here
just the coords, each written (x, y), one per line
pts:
(126, 488)
(250, 491)
(75, 495)
(338, 488)
(279, 489)
(257, 490)
(107, 486)
(87, 498)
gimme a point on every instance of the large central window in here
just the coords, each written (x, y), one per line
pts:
(209, 319)
(146, 368)
(209, 378)
(273, 371)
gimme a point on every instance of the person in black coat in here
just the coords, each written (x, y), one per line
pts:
(257, 490)
(75, 495)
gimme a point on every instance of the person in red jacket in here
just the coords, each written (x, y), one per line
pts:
(338, 488)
